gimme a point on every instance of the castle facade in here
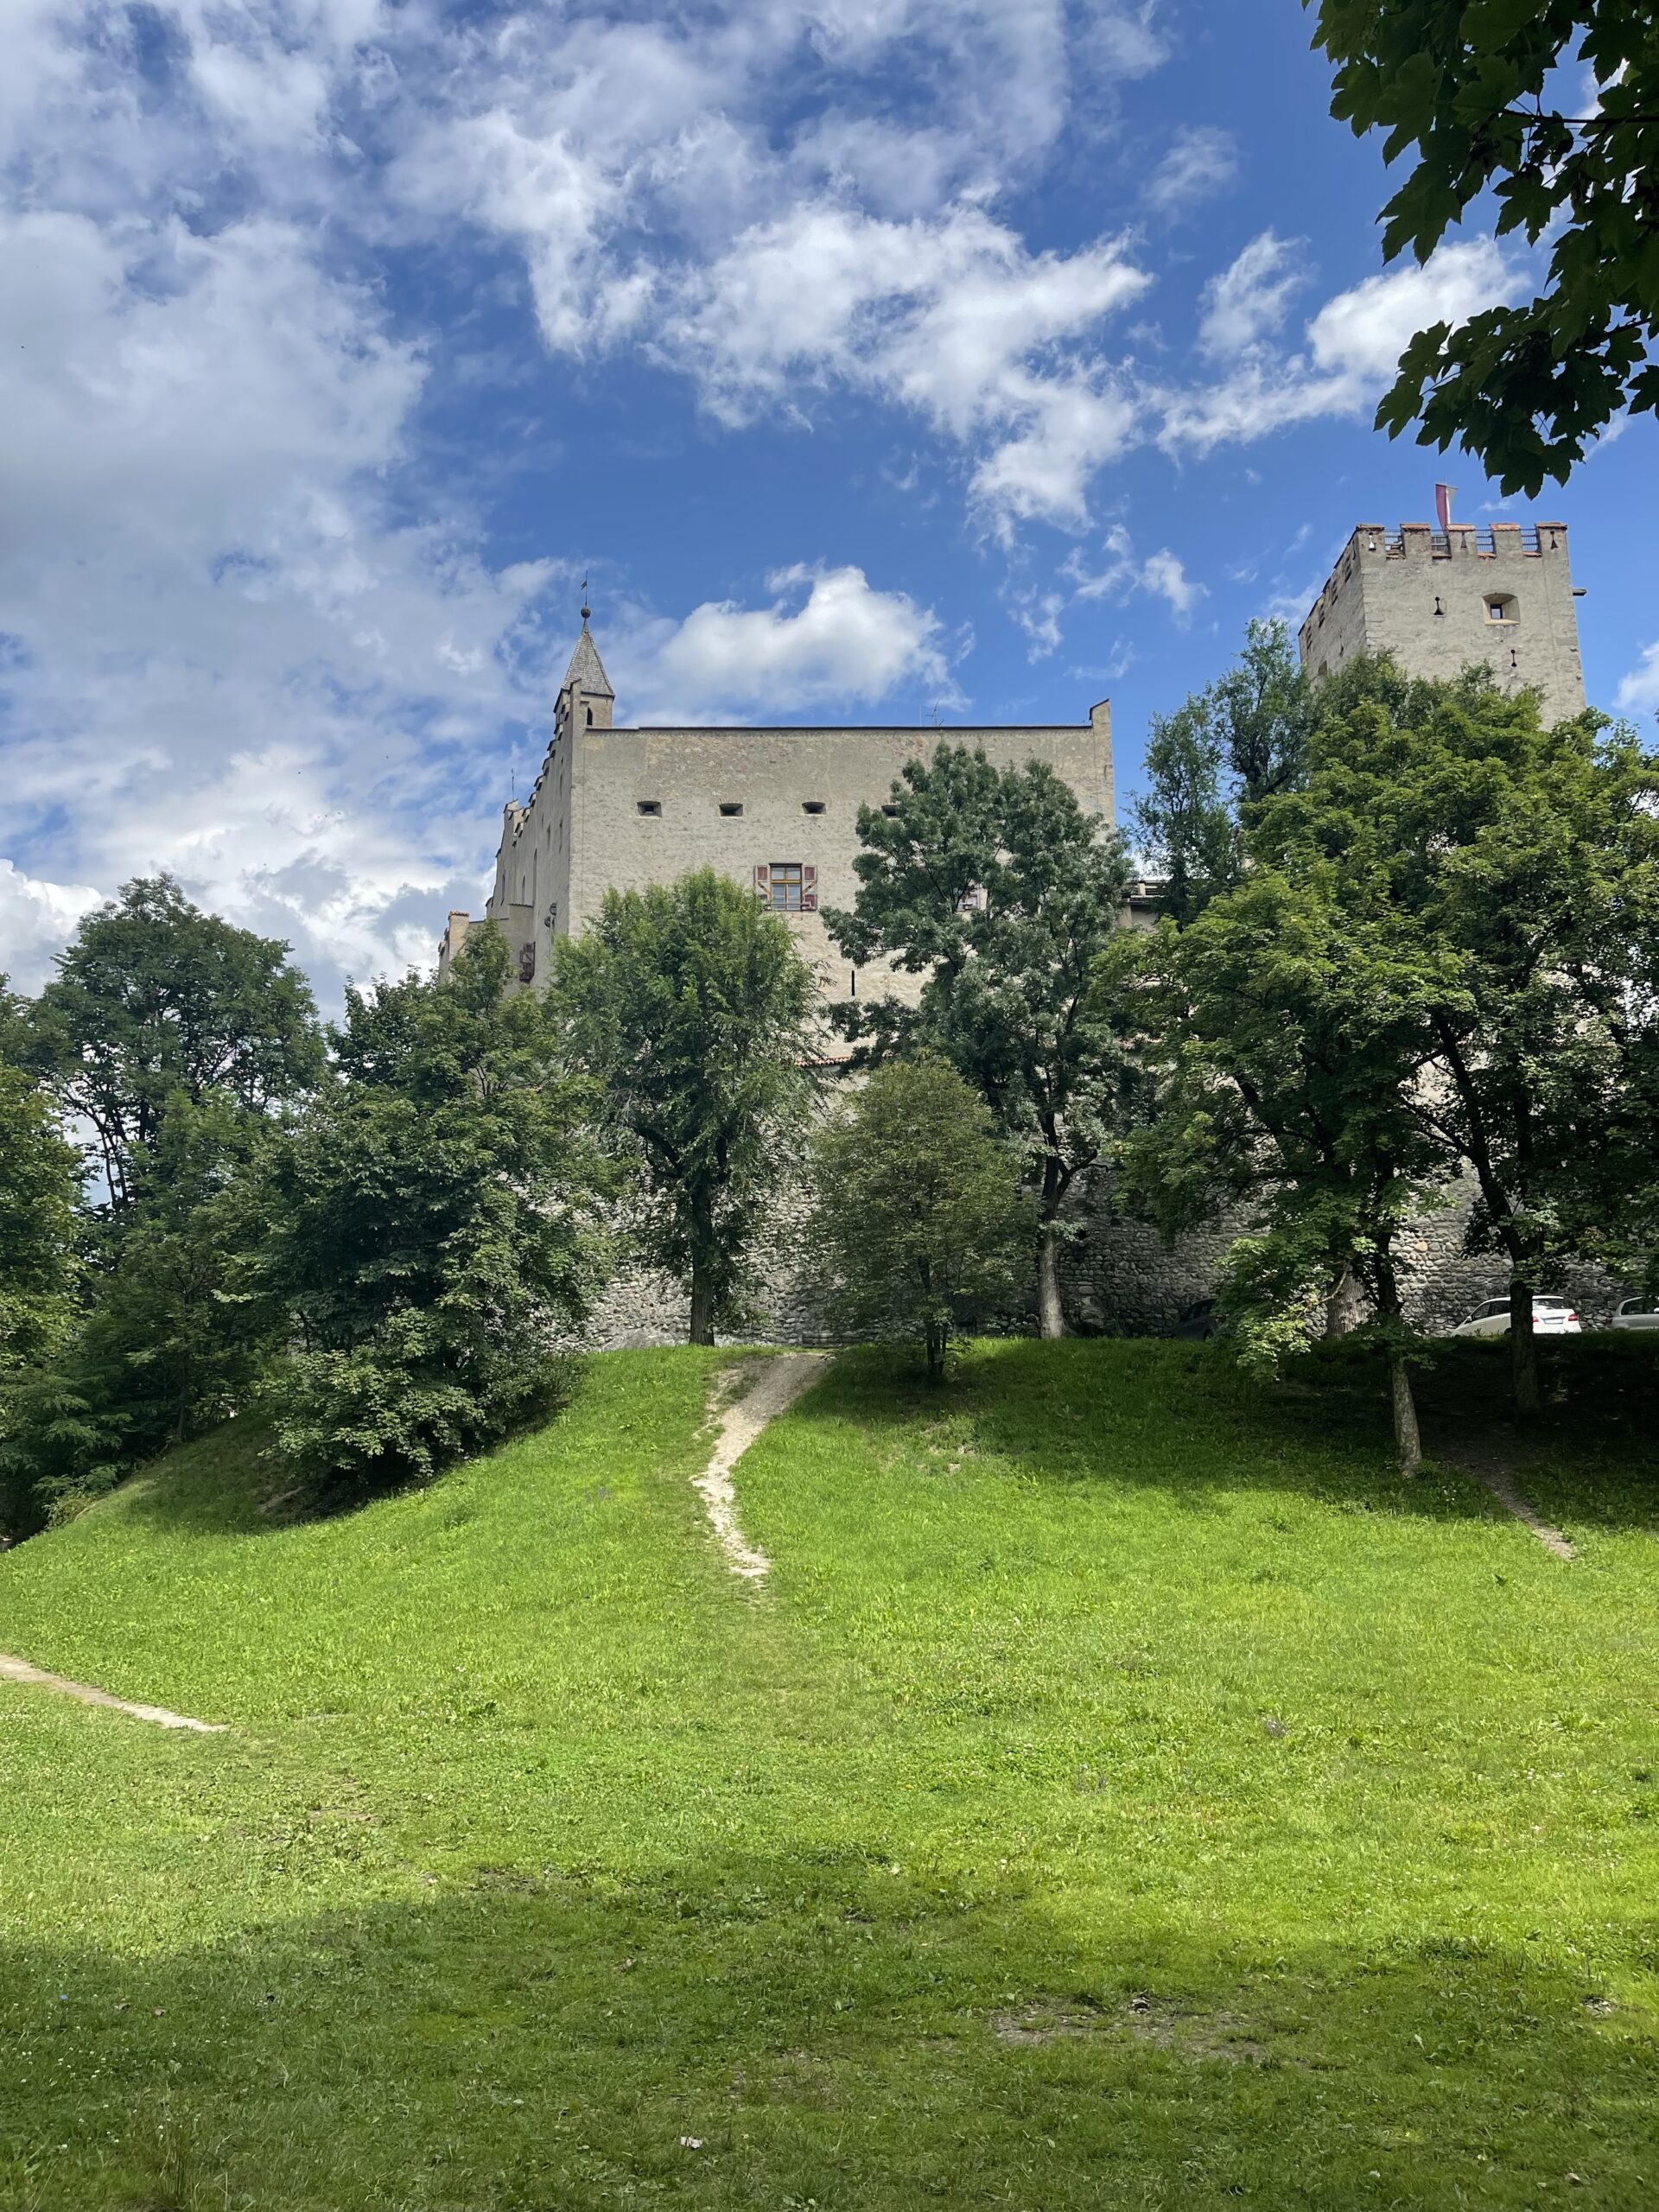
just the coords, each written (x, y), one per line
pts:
(615, 808)
(777, 809)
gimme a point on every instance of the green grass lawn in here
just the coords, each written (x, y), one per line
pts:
(1126, 1792)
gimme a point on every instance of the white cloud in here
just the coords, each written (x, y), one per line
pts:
(1639, 692)
(1123, 575)
(1351, 348)
(1163, 573)
(1201, 162)
(35, 918)
(1248, 301)
(1361, 334)
(828, 635)
(223, 657)
(951, 316)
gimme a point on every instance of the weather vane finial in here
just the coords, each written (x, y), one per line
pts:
(586, 609)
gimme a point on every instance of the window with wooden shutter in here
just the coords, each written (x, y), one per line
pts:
(783, 885)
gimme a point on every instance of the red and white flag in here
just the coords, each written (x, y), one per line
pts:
(1443, 504)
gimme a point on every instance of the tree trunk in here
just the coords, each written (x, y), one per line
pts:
(1523, 1348)
(1051, 1315)
(1407, 1436)
(702, 1304)
(1343, 1306)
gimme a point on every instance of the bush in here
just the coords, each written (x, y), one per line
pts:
(428, 1242)
(920, 1222)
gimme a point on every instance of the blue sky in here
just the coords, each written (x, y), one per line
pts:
(876, 359)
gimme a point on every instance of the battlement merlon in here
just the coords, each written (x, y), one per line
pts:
(1374, 545)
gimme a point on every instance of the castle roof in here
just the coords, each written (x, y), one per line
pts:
(587, 671)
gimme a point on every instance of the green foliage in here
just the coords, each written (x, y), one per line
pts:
(157, 1000)
(688, 1009)
(1473, 88)
(1511, 873)
(1241, 739)
(426, 1239)
(182, 1327)
(41, 1260)
(1286, 1039)
(1128, 1793)
(995, 887)
(919, 1227)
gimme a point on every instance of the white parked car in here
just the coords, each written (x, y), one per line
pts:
(1637, 1313)
(1551, 1317)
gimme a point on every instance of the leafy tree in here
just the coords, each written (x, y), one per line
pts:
(1239, 742)
(157, 1000)
(426, 1229)
(921, 1224)
(1481, 93)
(688, 1007)
(997, 888)
(39, 1260)
(1508, 874)
(183, 1332)
(1288, 1041)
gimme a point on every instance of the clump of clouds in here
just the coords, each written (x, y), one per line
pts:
(1350, 347)
(1084, 580)
(1202, 161)
(828, 634)
(1248, 301)
(1639, 692)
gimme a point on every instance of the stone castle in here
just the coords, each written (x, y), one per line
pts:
(616, 807)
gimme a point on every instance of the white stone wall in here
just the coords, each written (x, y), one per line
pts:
(1424, 597)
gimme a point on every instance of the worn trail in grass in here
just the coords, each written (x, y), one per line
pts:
(1122, 1791)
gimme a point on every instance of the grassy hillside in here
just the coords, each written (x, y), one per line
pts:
(1126, 1792)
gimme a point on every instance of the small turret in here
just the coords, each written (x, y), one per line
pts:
(586, 699)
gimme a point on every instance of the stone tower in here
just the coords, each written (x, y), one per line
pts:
(1439, 600)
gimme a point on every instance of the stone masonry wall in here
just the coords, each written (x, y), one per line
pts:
(1119, 1279)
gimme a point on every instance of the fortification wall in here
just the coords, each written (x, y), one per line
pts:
(1440, 600)
(1118, 1278)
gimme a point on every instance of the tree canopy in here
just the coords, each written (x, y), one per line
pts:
(920, 1226)
(1238, 741)
(426, 1221)
(1508, 873)
(155, 1000)
(995, 887)
(1491, 96)
(689, 1009)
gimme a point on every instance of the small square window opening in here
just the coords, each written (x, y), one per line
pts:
(811, 806)
(890, 812)
(649, 805)
(730, 807)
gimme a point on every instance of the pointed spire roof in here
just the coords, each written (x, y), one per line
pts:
(587, 671)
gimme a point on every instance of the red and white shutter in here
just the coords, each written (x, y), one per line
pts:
(808, 888)
(763, 880)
